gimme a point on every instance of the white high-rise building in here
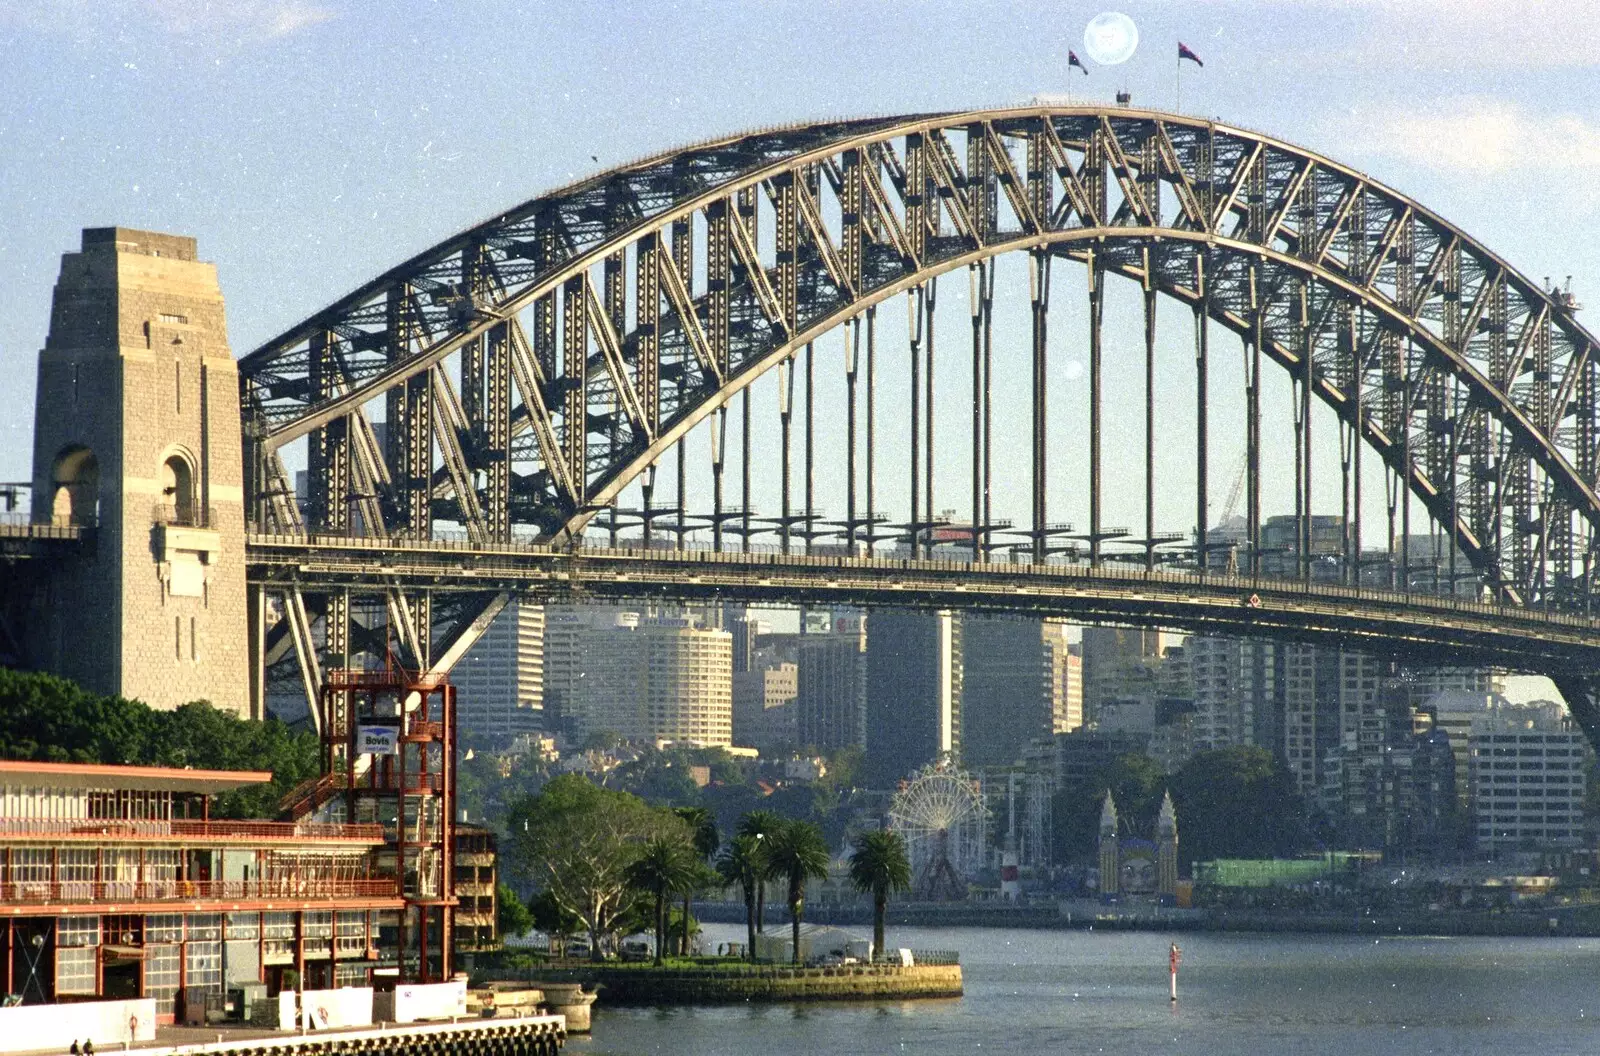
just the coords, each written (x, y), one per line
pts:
(500, 682)
(659, 678)
(1529, 777)
(1234, 681)
(1067, 680)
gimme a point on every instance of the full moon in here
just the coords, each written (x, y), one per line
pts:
(1110, 38)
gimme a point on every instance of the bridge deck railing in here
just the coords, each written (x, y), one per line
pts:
(1058, 566)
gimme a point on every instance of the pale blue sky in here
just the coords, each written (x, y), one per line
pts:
(309, 144)
(312, 143)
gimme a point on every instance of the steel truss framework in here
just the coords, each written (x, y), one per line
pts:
(536, 365)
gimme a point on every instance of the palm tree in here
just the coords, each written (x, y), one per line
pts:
(761, 825)
(665, 867)
(878, 865)
(703, 829)
(742, 862)
(797, 853)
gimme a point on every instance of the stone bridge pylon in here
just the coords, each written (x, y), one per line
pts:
(137, 443)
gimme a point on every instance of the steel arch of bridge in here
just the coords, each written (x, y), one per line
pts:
(651, 298)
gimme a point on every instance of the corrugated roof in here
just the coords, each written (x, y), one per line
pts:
(100, 776)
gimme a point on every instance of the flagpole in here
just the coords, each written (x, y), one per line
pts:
(1179, 108)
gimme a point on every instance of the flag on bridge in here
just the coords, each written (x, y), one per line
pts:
(1184, 52)
(1073, 60)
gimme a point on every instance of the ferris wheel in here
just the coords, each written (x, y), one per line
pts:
(941, 815)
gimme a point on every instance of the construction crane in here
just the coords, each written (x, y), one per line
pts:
(1234, 491)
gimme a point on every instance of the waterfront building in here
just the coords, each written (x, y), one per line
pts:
(476, 888)
(500, 681)
(118, 883)
(913, 692)
(1014, 689)
(1529, 778)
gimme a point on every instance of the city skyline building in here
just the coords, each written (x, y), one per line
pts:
(1014, 687)
(913, 692)
(1117, 663)
(764, 705)
(500, 681)
(831, 686)
(1529, 779)
(1068, 678)
(644, 678)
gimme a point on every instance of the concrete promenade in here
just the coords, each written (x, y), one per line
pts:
(524, 1036)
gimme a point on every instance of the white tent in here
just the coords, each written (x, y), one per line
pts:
(817, 942)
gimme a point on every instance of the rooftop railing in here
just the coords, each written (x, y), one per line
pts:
(182, 828)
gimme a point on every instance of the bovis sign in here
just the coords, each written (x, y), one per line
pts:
(377, 740)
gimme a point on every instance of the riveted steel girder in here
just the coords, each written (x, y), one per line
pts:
(1471, 381)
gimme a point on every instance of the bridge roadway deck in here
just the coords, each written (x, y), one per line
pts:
(21, 539)
(1413, 626)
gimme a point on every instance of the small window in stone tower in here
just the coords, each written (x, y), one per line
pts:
(177, 492)
(178, 320)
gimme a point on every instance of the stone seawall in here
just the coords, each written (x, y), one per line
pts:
(645, 985)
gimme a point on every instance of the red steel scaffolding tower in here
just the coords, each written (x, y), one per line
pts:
(388, 752)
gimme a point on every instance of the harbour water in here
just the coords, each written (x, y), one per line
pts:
(1106, 992)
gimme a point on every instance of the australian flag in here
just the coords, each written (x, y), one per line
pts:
(1185, 53)
(1073, 60)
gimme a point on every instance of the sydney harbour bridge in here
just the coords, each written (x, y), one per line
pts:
(883, 362)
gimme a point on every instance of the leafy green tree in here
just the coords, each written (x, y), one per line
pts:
(659, 778)
(665, 867)
(879, 866)
(845, 766)
(577, 841)
(703, 832)
(512, 918)
(555, 920)
(200, 735)
(602, 740)
(761, 825)
(47, 718)
(741, 863)
(1237, 803)
(797, 854)
(1135, 781)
